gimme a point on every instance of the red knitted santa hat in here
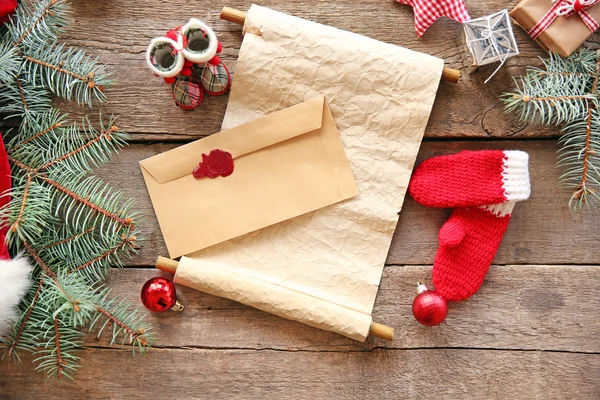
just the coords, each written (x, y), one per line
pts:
(483, 187)
(14, 274)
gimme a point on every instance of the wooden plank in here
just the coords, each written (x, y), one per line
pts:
(268, 374)
(148, 112)
(542, 230)
(518, 307)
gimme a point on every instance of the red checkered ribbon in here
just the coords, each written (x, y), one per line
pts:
(566, 8)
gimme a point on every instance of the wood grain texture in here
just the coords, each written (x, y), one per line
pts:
(268, 374)
(542, 230)
(519, 307)
(531, 332)
(118, 32)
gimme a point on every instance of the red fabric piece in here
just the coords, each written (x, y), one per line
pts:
(7, 8)
(468, 178)
(5, 184)
(428, 11)
(460, 265)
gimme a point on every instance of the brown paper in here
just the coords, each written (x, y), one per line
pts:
(324, 268)
(286, 164)
(564, 35)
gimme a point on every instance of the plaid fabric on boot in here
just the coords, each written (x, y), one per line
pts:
(215, 79)
(187, 94)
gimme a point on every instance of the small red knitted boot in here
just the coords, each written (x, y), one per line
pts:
(471, 178)
(483, 186)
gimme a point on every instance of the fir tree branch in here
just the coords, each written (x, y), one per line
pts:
(55, 357)
(64, 220)
(89, 78)
(68, 73)
(22, 166)
(46, 11)
(38, 23)
(10, 63)
(85, 202)
(565, 74)
(60, 363)
(36, 257)
(22, 94)
(551, 99)
(103, 135)
(36, 136)
(587, 151)
(16, 224)
(126, 241)
(69, 239)
(580, 137)
(567, 93)
(25, 319)
(134, 334)
(23, 100)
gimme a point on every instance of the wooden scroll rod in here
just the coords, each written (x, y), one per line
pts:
(378, 330)
(239, 17)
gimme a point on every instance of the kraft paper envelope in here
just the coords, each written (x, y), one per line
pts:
(286, 164)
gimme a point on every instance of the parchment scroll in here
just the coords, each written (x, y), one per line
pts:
(324, 268)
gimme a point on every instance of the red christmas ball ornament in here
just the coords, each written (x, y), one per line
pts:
(158, 295)
(219, 47)
(170, 80)
(429, 307)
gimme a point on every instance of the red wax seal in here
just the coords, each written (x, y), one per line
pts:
(216, 163)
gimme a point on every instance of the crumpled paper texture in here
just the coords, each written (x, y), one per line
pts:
(324, 268)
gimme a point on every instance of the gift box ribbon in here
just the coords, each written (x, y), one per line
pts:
(566, 8)
(494, 37)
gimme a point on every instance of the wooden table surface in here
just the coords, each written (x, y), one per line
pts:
(531, 332)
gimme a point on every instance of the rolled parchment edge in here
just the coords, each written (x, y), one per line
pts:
(378, 330)
(239, 17)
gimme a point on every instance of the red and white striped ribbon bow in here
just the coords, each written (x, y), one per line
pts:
(566, 8)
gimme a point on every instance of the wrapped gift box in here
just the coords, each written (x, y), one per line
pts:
(490, 38)
(565, 34)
